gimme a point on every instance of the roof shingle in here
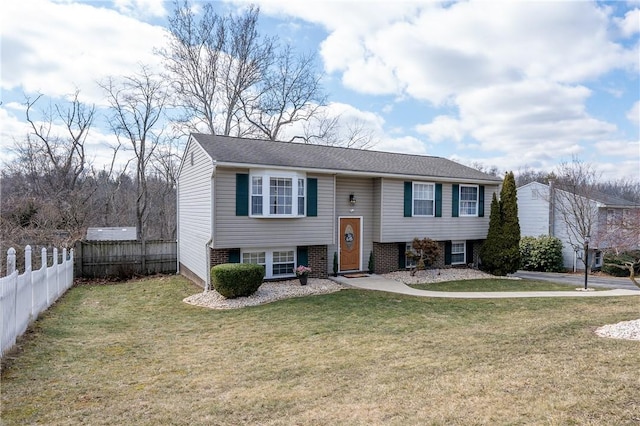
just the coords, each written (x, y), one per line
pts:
(225, 149)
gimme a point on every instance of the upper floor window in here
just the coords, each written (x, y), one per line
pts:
(423, 199)
(275, 193)
(468, 200)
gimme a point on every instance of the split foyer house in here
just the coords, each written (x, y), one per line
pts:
(282, 204)
(540, 209)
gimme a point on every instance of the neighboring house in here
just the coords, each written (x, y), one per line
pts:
(539, 213)
(114, 233)
(283, 204)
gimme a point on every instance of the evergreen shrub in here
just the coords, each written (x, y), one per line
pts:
(542, 254)
(233, 280)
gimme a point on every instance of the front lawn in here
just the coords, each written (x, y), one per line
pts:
(497, 284)
(134, 353)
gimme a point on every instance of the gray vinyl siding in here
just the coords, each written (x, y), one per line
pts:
(194, 210)
(233, 231)
(394, 227)
(533, 210)
(377, 212)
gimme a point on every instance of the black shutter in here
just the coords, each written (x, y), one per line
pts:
(402, 256)
(469, 253)
(242, 194)
(312, 197)
(408, 198)
(447, 253)
(455, 200)
(481, 201)
(302, 254)
(234, 256)
(438, 200)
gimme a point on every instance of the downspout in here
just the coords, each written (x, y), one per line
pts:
(207, 281)
(177, 228)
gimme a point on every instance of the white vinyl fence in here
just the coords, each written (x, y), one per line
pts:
(24, 296)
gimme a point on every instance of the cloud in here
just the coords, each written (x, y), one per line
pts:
(634, 113)
(630, 24)
(55, 48)
(141, 9)
(434, 51)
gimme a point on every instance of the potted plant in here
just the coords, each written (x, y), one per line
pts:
(302, 272)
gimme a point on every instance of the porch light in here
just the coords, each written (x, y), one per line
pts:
(352, 199)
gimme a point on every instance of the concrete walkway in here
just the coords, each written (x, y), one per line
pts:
(379, 283)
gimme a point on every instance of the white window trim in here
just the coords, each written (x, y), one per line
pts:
(460, 210)
(408, 262)
(413, 198)
(266, 176)
(268, 259)
(464, 252)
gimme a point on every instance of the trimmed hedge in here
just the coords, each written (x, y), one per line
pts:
(233, 280)
(542, 254)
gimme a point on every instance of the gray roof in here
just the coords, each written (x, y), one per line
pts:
(225, 149)
(116, 233)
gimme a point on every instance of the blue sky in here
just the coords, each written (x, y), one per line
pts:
(513, 84)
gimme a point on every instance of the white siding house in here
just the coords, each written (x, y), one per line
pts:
(540, 212)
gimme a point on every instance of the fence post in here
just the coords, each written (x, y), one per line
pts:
(55, 271)
(28, 276)
(11, 260)
(43, 263)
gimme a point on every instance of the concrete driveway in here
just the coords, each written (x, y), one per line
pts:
(578, 279)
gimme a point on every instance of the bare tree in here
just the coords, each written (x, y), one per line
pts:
(620, 234)
(573, 198)
(53, 162)
(246, 60)
(137, 105)
(289, 92)
(337, 130)
(211, 61)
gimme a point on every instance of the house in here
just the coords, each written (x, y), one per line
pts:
(540, 212)
(283, 204)
(113, 233)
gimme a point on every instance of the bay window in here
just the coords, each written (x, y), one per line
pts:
(277, 193)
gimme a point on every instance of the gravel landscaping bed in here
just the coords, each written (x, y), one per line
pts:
(439, 275)
(268, 292)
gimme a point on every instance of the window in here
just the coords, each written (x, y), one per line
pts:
(423, 199)
(458, 252)
(468, 200)
(257, 257)
(256, 195)
(283, 263)
(597, 259)
(277, 263)
(277, 193)
(409, 261)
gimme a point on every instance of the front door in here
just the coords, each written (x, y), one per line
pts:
(349, 243)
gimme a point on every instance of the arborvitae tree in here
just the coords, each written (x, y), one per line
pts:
(490, 252)
(510, 225)
(500, 253)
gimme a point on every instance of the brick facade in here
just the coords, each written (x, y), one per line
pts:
(219, 256)
(318, 261)
(385, 257)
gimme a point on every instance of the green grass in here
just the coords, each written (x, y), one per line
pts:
(497, 285)
(136, 354)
